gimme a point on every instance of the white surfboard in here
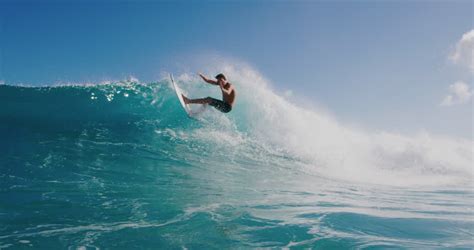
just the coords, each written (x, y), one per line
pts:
(180, 96)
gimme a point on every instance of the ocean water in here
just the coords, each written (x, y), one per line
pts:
(119, 165)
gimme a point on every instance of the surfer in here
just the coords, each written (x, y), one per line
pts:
(228, 94)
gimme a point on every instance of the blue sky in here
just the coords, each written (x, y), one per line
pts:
(383, 65)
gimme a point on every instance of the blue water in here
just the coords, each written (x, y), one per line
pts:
(120, 165)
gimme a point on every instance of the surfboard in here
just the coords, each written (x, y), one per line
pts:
(179, 93)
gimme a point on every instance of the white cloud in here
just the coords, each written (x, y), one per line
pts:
(459, 92)
(463, 53)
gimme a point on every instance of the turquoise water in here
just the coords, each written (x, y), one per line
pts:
(120, 165)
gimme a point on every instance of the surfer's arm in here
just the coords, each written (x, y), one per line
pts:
(207, 80)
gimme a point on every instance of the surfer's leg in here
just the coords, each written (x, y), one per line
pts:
(220, 105)
(206, 100)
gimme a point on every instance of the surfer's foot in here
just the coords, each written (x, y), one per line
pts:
(185, 99)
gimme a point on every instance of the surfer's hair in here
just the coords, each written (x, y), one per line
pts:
(219, 76)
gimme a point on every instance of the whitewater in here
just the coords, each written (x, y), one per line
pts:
(120, 165)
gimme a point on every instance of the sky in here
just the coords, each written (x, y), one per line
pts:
(399, 66)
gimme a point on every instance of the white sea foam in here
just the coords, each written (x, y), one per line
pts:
(333, 149)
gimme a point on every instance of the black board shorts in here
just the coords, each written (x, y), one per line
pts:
(220, 105)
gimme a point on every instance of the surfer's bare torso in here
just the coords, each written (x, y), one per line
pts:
(228, 93)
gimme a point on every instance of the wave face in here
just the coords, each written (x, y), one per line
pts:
(121, 165)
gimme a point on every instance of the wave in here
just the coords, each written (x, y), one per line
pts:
(265, 128)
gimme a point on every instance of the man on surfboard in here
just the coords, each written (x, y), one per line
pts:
(228, 94)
